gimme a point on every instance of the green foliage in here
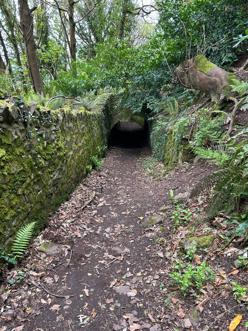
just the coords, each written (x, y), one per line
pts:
(181, 215)
(203, 27)
(7, 258)
(158, 138)
(31, 98)
(208, 137)
(6, 85)
(242, 261)
(208, 128)
(22, 240)
(218, 157)
(88, 168)
(51, 57)
(191, 251)
(191, 278)
(73, 82)
(17, 278)
(239, 292)
(177, 147)
(96, 162)
(231, 188)
(19, 245)
(240, 87)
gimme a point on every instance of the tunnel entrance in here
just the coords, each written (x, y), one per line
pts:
(129, 135)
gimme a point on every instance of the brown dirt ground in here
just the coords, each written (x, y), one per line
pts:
(117, 270)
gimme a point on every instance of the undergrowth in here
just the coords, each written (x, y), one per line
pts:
(191, 278)
(181, 215)
(19, 245)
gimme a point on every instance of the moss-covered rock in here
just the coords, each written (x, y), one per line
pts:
(50, 248)
(153, 220)
(203, 64)
(201, 74)
(198, 242)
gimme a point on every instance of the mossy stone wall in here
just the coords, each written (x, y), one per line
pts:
(43, 155)
(169, 141)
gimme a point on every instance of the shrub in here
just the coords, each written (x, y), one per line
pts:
(190, 277)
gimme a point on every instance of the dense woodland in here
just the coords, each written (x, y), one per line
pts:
(182, 65)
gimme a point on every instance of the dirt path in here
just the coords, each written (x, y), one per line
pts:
(104, 257)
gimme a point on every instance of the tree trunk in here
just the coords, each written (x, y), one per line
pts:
(26, 21)
(5, 52)
(72, 31)
(2, 65)
(11, 27)
(123, 21)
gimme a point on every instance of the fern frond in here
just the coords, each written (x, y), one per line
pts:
(22, 240)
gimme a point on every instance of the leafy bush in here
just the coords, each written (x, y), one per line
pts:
(219, 157)
(239, 292)
(6, 86)
(203, 26)
(96, 162)
(208, 129)
(231, 188)
(190, 278)
(181, 215)
(73, 82)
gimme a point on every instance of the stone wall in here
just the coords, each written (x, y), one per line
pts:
(43, 155)
(169, 141)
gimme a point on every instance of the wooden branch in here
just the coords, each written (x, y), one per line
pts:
(33, 9)
(143, 10)
(236, 106)
(50, 293)
(62, 22)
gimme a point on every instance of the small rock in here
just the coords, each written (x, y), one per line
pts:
(182, 196)
(126, 290)
(186, 323)
(155, 327)
(49, 248)
(200, 242)
(153, 220)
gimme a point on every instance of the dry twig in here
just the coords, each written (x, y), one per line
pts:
(48, 292)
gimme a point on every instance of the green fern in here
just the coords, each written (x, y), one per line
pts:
(22, 240)
(218, 157)
(240, 87)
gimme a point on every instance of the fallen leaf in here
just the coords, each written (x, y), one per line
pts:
(233, 272)
(93, 313)
(132, 293)
(19, 328)
(174, 300)
(187, 323)
(113, 283)
(197, 259)
(235, 322)
(151, 318)
(55, 308)
(160, 254)
(180, 312)
(135, 327)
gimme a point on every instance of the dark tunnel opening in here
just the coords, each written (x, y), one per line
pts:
(129, 135)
